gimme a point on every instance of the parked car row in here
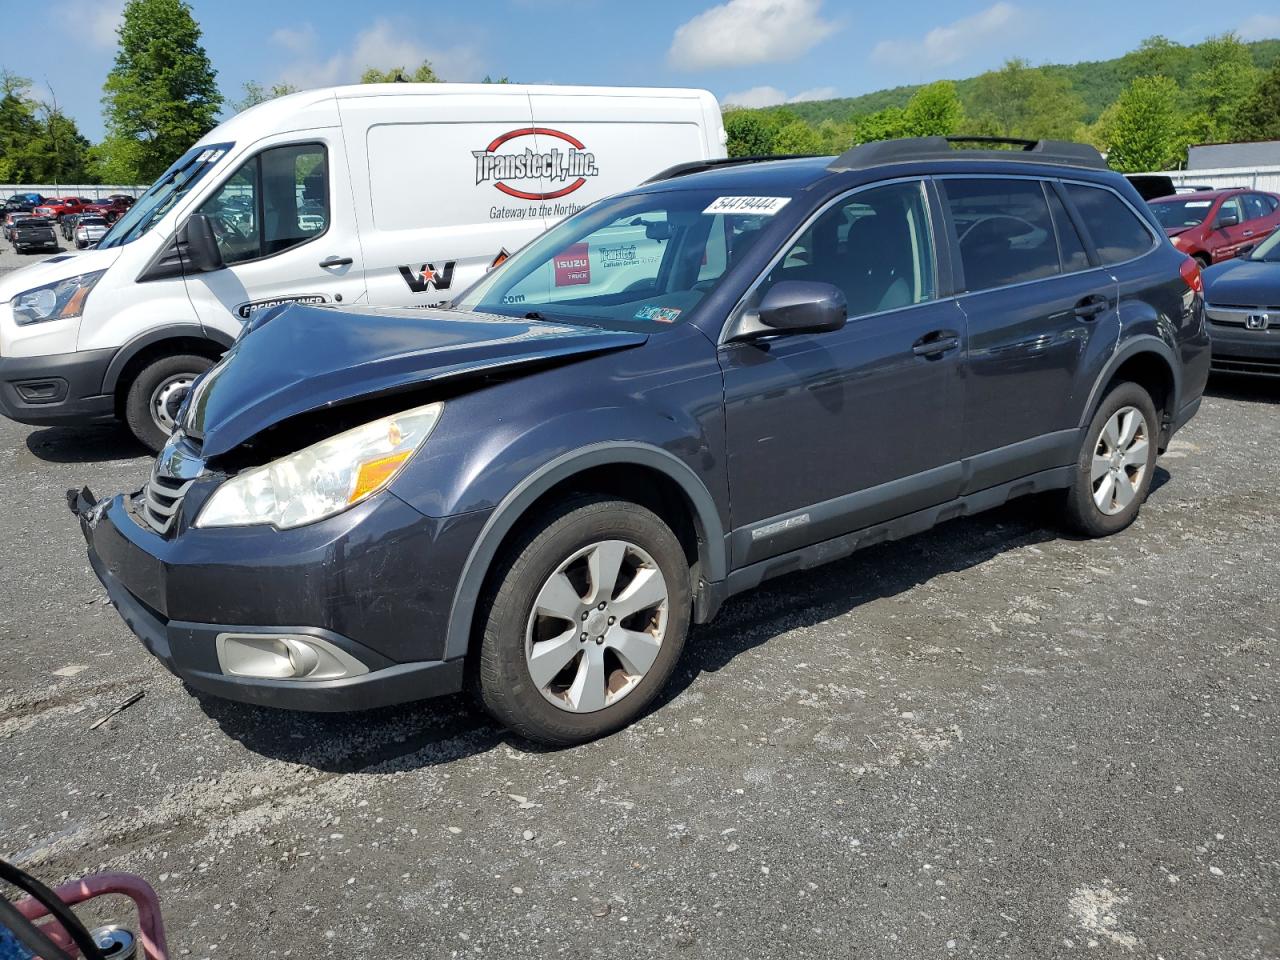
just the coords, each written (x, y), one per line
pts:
(1216, 225)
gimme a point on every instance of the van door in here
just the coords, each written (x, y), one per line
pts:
(286, 229)
(599, 144)
(444, 184)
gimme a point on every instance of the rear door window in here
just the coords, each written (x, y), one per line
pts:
(1003, 230)
(1117, 231)
(1255, 207)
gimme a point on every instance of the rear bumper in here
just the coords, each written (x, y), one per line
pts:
(57, 390)
(361, 581)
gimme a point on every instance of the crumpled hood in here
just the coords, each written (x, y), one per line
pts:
(1245, 283)
(296, 359)
(57, 267)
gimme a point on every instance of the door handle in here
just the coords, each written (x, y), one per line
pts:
(1090, 307)
(336, 262)
(935, 344)
(1248, 233)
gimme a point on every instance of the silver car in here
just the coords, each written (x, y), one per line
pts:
(89, 230)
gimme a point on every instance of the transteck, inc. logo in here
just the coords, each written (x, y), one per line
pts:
(549, 166)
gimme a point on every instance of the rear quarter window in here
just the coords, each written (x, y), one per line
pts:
(1118, 233)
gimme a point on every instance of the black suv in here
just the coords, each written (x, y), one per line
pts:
(735, 371)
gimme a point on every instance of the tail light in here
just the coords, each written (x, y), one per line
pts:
(1190, 271)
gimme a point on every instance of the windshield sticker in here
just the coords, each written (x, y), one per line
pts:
(573, 266)
(764, 206)
(658, 314)
(1199, 203)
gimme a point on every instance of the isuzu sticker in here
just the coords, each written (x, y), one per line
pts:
(763, 206)
(428, 277)
(558, 165)
(658, 314)
(573, 266)
(246, 310)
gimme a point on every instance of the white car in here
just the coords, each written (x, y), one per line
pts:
(395, 195)
(89, 230)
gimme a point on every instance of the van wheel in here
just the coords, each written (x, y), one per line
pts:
(1116, 464)
(584, 622)
(156, 394)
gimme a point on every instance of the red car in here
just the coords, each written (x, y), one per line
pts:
(1212, 225)
(60, 207)
(111, 208)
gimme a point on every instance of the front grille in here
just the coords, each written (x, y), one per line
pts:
(1224, 315)
(161, 498)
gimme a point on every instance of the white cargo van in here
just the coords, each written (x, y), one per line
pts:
(383, 194)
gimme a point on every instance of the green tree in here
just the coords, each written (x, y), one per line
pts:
(751, 132)
(1225, 80)
(797, 137)
(161, 95)
(1144, 130)
(1258, 117)
(886, 124)
(933, 111)
(1155, 55)
(1019, 100)
(18, 126)
(58, 152)
(423, 74)
(255, 93)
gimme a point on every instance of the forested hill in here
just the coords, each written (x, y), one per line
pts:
(1097, 83)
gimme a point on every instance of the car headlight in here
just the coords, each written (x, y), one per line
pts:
(55, 301)
(1179, 240)
(323, 479)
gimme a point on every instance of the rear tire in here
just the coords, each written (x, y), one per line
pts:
(1116, 464)
(156, 393)
(1203, 260)
(601, 664)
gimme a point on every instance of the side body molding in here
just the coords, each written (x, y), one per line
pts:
(712, 548)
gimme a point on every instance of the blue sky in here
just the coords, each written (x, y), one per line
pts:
(750, 51)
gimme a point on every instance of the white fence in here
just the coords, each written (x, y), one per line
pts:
(1257, 178)
(91, 191)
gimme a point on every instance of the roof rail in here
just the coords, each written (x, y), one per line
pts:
(940, 148)
(700, 166)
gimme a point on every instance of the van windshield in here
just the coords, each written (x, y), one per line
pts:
(161, 196)
(635, 262)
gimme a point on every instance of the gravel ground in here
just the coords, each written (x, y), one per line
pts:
(987, 741)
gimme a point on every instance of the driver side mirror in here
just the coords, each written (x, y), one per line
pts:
(1226, 220)
(795, 306)
(198, 244)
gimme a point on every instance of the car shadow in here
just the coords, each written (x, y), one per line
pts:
(95, 444)
(434, 732)
(1242, 386)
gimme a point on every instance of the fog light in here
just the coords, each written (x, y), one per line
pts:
(284, 657)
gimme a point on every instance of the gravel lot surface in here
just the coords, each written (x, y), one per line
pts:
(987, 741)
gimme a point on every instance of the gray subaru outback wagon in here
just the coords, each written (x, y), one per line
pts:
(738, 370)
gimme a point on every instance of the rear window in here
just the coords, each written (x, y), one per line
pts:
(1004, 231)
(1117, 231)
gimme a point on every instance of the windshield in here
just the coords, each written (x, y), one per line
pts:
(1181, 213)
(1268, 249)
(637, 262)
(161, 196)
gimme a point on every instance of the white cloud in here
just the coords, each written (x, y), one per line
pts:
(952, 42)
(772, 96)
(1261, 26)
(383, 44)
(92, 21)
(745, 32)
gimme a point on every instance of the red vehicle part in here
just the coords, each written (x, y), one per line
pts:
(1213, 225)
(150, 927)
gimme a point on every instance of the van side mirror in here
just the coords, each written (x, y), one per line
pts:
(795, 306)
(199, 245)
(1226, 220)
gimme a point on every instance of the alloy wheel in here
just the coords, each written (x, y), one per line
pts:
(597, 626)
(1120, 460)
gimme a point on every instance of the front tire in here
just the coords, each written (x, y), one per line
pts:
(584, 621)
(156, 393)
(1116, 464)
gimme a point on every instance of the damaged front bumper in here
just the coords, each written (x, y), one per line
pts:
(353, 584)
